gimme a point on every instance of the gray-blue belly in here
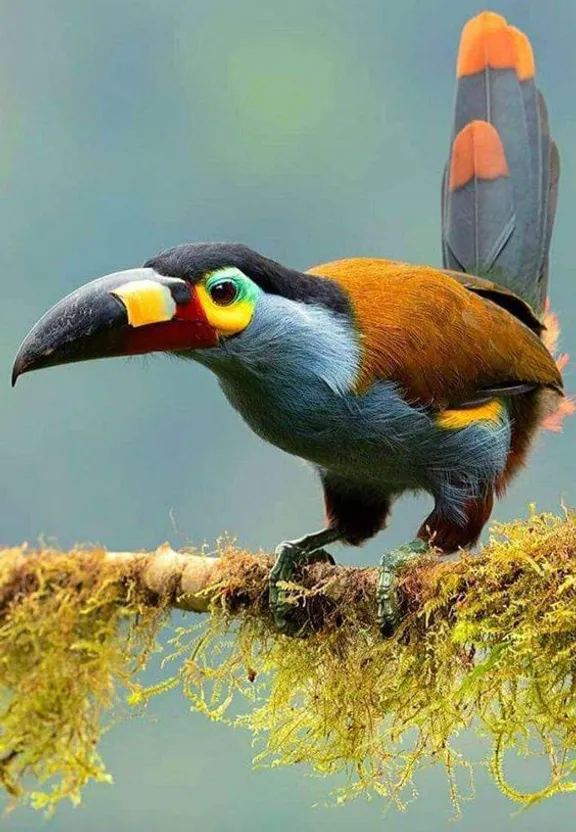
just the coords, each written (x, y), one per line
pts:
(376, 436)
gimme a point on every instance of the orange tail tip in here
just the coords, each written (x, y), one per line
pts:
(488, 41)
(566, 406)
(525, 65)
(477, 152)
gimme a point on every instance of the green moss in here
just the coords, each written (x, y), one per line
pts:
(71, 634)
(488, 642)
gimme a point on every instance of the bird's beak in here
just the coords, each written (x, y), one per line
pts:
(126, 313)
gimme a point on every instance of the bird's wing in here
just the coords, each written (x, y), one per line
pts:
(440, 336)
(501, 296)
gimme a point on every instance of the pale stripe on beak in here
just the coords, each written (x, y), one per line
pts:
(146, 302)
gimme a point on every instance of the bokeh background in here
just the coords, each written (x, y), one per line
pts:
(310, 130)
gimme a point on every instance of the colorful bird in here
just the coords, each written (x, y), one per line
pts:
(386, 377)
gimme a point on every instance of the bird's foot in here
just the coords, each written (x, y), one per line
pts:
(289, 556)
(388, 610)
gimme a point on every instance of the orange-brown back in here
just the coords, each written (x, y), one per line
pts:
(440, 341)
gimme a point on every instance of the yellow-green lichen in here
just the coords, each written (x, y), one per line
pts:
(488, 641)
(71, 634)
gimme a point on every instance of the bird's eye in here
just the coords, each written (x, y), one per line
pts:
(224, 292)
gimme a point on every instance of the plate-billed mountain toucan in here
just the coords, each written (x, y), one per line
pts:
(386, 377)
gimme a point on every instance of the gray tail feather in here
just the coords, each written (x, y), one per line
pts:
(500, 185)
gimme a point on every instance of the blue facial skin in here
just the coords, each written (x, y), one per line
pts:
(291, 373)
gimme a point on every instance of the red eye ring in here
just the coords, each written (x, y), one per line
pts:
(224, 292)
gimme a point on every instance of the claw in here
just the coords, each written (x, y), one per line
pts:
(320, 556)
(289, 556)
(388, 614)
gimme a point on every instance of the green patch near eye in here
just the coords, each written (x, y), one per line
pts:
(246, 289)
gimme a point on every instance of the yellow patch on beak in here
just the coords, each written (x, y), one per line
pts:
(146, 302)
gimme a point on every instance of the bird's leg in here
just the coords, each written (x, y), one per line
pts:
(289, 554)
(388, 611)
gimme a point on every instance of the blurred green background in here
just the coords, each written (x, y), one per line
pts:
(310, 130)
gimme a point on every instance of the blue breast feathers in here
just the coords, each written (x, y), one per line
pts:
(291, 375)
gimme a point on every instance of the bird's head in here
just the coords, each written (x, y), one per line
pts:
(191, 298)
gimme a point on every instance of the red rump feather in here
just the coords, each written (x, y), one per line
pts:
(551, 336)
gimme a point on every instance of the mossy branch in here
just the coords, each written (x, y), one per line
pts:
(488, 640)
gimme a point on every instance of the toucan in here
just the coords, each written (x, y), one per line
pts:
(386, 377)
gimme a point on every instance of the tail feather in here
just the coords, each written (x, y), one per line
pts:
(500, 186)
(480, 194)
(549, 214)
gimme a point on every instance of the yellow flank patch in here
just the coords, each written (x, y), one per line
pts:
(227, 320)
(146, 302)
(453, 419)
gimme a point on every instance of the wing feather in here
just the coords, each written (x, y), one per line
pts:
(442, 338)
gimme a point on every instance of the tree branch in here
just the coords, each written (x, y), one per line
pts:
(188, 576)
(189, 581)
(487, 640)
